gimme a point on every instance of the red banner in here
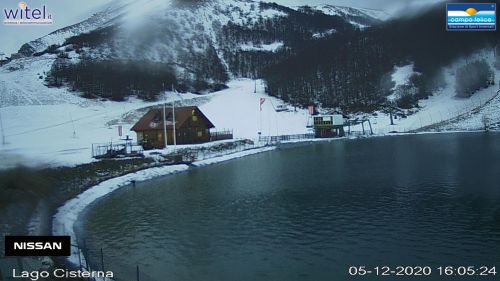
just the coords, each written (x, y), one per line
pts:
(311, 109)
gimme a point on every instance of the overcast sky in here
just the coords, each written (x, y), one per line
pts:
(64, 13)
(67, 12)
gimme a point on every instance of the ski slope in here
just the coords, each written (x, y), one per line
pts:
(55, 127)
(443, 106)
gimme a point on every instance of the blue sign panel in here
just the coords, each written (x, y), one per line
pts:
(471, 16)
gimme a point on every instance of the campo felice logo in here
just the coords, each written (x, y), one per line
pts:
(471, 16)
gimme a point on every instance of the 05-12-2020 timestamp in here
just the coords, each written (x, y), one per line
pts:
(423, 270)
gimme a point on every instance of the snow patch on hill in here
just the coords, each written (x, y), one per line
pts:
(326, 33)
(402, 74)
(22, 83)
(272, 47)
(443, 110)
(358, 25)
(238, 108)
(352, 11)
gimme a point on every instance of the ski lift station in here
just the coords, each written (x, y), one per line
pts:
(328, 126)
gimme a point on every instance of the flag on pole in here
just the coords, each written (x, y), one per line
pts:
(262, 100)
(311, 109)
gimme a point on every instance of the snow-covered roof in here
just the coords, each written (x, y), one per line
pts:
(153, 120)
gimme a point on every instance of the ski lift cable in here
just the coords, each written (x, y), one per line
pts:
(53, 126)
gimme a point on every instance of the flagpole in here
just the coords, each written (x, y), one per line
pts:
(1, 128)
(276, 115)
(260, 128)
(260, 115)
(173, 118)
(165, 118)
(269, 121)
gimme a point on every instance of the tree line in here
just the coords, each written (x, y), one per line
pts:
(349, 69)
(112, 79)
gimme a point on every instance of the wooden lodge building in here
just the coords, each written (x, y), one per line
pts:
(191, 126)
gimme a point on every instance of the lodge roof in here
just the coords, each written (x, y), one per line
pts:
(153, 120)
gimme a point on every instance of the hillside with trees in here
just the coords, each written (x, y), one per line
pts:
(473, 77)
(317, 59)
(347, 70)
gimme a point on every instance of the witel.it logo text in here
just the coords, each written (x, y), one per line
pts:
(26, 15)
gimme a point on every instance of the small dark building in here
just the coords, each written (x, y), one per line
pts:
(328, 126)
(191, 126)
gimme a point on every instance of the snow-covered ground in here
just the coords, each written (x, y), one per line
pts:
(475, 119)
(55, 127)
(326, 33)
(272, 47)
(440, 107)
(238, 108)
(337, 10)
(400, 76)
(443, 105)
(50, 126)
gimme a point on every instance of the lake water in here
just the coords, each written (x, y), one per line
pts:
(310, 212)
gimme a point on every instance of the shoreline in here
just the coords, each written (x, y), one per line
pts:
(66, 215)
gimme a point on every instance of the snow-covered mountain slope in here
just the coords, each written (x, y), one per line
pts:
(56, 126)
(352, 11)
(59, 130)
(179, 32)
(206, 16)
(100, 19)
(360, 17)
(21, 84)
(479, 117)
(444, 110)
(203, 41)
(441, 107)
(201, 44)
(51, 126)
(134, 18)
